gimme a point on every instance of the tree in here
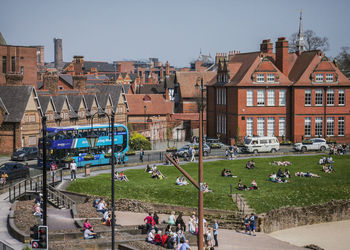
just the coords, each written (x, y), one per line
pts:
(343, 60)
(138, 141)
(312, 41)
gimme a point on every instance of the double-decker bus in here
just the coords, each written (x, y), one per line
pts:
(67, 143)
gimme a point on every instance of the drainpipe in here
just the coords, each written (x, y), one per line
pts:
(14, 138)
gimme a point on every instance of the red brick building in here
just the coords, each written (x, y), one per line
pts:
(289, 95)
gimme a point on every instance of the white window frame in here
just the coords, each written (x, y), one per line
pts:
(341, 97)
(270, 77)
(329, 77)
(318, 97)
(270, 97)
(250, 97)
(330, 97)
(261, 126)
(319, 77)
(330, 126)
(282, 97)
(249, 126)
(270, 126)
(308, 97)
(282, 126)
(307, 126)
(260, 77)
(319, 126)
(341, 126)
(260, 97)
(32, 118)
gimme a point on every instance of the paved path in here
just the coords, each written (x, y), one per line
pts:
(330, 236)
(59, 219)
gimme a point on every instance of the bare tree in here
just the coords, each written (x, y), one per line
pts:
(343, 60)
(312, 41)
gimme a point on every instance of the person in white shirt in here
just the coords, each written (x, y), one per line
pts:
(150, 237)
(73, 170)
(89, 235)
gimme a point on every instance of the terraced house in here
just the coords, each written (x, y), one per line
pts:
(290, 95)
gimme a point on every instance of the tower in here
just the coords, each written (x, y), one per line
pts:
(300, 43)
(58, 53)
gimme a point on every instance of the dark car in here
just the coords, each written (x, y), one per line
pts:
(24, 154)
(14, 170)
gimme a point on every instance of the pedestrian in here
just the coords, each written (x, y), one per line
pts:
(193, 152)
(123, 158)
(119, 158)
(141, 155)
(4, 177)
(53, 168)
(252, 223)
(226, 154)
(235, 150)
(73, 170)
(216, 231)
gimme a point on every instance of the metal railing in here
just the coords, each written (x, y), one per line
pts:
(59, 198)
(32, 184)
(240, 203)
(4, 246)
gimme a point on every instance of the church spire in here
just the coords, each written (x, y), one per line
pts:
(300, 43)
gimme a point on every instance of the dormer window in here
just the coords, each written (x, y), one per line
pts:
(260, 77)
(329, 77)
(319, 77)
(270, 77)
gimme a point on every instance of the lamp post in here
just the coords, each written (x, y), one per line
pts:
(43, 120)
(200, 171)
(92, 140)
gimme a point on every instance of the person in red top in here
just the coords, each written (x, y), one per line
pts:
(149, 222)
(158, 238)
(164, 239)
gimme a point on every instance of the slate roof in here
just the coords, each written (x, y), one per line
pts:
(101, 66)
(151, 89)
(114, 90)
(15, 99)
(2, 106)
(59, 101)
(74, 101)
(44, 102)
(89, 100)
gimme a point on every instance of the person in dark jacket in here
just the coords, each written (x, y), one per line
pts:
(180, 221)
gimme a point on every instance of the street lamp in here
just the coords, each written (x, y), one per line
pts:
(200, 171)
(43, 120)
(92, 139)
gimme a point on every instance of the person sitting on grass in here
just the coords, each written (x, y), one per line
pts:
(206, 188)
(280, 173)
(254, 185)
(287, 173)
(148, 169)
(88, 234)
(273, 177)
(250, 164)
(330, 160)
(325, 168)
(241, 186)
(307, 174)
(157, 175)
(181, 181)
(101, 207)
(330, 168)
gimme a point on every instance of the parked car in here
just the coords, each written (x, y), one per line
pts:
(24, 154)
(14, 170)
(183, 152)
(311, 144)
(257, 144)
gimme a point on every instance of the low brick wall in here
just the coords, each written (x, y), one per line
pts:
(289, 217)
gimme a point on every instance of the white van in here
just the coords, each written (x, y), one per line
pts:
(258, 144)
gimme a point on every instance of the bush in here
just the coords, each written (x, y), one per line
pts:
(138, 141)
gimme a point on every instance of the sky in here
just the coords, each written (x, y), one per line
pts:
(172, 30)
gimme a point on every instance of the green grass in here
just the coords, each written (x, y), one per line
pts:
(299, 192)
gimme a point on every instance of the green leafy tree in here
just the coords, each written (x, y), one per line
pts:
(138, 141)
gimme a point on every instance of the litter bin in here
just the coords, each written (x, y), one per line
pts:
(87, 169)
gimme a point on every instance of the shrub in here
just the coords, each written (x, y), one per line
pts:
(138, 141)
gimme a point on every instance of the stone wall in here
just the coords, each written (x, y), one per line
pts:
(290, 217)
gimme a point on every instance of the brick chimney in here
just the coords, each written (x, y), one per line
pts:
(79, 82)
(78, 62)
(266, 46)
(161, 75)
(282, 55)
(51, 82)
(14, 79)
(167, 68)
(119, 68)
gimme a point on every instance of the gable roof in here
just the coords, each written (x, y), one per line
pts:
(150, 89)
(188, 80)
(59, 102)
(15, 99)
(155, 104)
(89, 101)
(114, 90)
(67, 78)
(301, 64)
(75, 101)
(100, 66)
(44, 102)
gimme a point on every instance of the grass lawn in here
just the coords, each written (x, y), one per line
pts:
(300, 191)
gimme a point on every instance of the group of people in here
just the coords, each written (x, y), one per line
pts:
(282, 163)
(227, 173)
(174, 234)
(250, 164)
(280, 177)
(242, 187)
(89, 231)
(181, 181)
(339, 149)
(101, 208)
(155, 172)
(231, 152)
(120, 176)
(327, 164)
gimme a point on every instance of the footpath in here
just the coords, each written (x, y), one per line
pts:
(228, 239)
